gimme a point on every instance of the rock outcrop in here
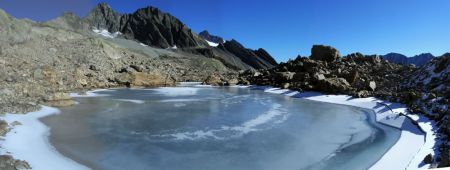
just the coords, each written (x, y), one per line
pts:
(324, 53)
(258, 59)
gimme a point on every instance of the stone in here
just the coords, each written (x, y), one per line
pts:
(318, 77)
(213, 80)
(324, 53)
(4, 128)
(428, 159)
(286, 85)
(371, 85)
(7, 162)
(138, 68)
(232, 82)
(150, 80)
(363, 94)
(16, 123)
(284, 76)
(333, 85)
(353, 77)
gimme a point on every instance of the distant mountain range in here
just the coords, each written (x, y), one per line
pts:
(417, 60)
(154, 28)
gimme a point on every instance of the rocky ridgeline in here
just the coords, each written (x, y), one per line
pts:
(426, 90)
(325, 71)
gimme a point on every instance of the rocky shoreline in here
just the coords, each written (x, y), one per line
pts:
(424, 90)
(42, 62)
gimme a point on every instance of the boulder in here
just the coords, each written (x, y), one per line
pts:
(284, 76)
(333, 85)
(371, 85)
(149, 80)
(318, 77)
(428, 159)
(353, 76)
(285, 85)
(4, 128)
(363, 94)
(59, 99)
(7, 162)
(213, 80)
(232, 82)
(324, 53)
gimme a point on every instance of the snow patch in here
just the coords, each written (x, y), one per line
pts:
(106, 33)
(29, 142)
(91, 93)
(176, 91)
(132, 101)
(212, 44)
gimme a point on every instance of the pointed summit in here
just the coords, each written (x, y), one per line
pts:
(211, 38)
(104, 17)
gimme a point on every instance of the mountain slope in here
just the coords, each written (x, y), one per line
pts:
(258, 59)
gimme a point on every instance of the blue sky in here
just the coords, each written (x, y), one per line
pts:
(287, 28)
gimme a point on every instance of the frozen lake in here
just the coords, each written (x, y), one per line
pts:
(204, 128)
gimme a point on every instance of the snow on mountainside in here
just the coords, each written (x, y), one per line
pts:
(212, 44)
(106, 33)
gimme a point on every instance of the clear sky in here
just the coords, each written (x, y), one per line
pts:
(286, 28)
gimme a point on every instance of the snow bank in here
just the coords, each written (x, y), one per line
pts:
(212, 44)
(131, 101)
(91, 93)
(106, 33)
(413, 144)
(29, 142)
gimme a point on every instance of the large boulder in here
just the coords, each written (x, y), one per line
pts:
(284, 76)
(371, 85)
(7, 162)
(324, 53)
(59, 99)
(150, 80)
(4, 128)
(333, 85)
(214, 80)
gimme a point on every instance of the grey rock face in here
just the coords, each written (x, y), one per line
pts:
(259, 59)
(324, 53)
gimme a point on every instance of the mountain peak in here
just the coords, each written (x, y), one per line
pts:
(103, 5)
(211, 38)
